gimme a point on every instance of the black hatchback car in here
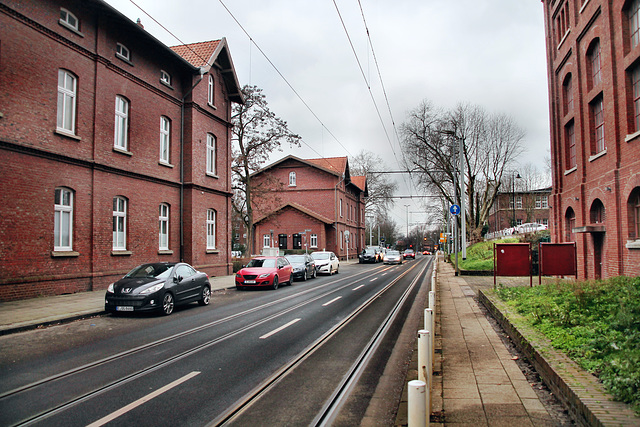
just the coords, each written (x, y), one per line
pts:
(304, 266)
(369, 255)
(158, 287)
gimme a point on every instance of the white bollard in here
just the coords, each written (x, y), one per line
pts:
(417, 404)
(425, 362)
(430, 325)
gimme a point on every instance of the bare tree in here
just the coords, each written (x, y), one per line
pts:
(381, 190)
(490, 144)
(257, 132)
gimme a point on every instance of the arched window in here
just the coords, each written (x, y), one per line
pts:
(211, 229)
(211, 155)
(292, 179)
(63, 220)
(596, 213)
(633, 12)
(569, 225)
(121, 130)
(211, 91)
(633, 214)
(594, 64)
(68, 19)
(119, 223)
(165, 139)
(67, 90)
(163, 233)
(567, 94)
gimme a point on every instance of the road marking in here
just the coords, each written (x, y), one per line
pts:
(145, 399)
(275, 331)
(355, 289)
(374, 279)
(331, 302)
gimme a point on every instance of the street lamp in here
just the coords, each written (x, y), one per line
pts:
(514, 175)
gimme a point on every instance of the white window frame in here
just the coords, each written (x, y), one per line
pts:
(67, 18)
(123, 52)
(163, 227)
(341, 240)
(121, 129)
(119, 223)
(518, 202)
(165, 77)
(211, 228)
(313, 241)
(212, 155)
(340, 208)
(266, 241)
(292, 179)
(63, 219)
(67, 94)
(211, 91)
(165, 139)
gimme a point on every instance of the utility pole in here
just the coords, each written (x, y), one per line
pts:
(407, 208)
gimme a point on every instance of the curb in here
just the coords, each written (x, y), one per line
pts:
(582, 393)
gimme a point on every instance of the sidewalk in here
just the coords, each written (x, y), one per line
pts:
(27, 314)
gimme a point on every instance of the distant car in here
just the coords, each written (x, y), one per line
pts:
(304, 266)
(326, 262)
(426, 253)
(265, 271)
(158, 286)
(369, 255)
(409, 253)
(392, 257)
(529, 227)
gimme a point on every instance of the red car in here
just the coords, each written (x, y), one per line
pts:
(409, 253)
(265, 271)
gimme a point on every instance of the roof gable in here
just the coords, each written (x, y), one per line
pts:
(297, 207)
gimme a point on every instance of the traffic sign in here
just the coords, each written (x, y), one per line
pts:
(454, 209)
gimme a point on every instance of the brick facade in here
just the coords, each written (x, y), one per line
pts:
(593, 58)
(519, 207)
(39, 157)
(323, 200)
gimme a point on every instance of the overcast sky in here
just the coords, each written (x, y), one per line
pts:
(485, 52)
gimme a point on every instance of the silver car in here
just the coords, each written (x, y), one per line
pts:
(392, 257)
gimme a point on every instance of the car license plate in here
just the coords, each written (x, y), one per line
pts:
(124, 308)
(250, 282)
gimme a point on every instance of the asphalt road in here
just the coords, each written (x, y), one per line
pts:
(204, 365)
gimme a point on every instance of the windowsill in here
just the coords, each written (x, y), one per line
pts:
(584, 5)
(570, 171)
(212, 175)
(633, 244)
(631, 137)
(165, 252)
(566, 34)
(597, 155)
(166, 84)
(212, 106)
(64, 254)
(122, 151)
(67, 134)
(212, 251)
(122, 58)
(168, 165)
(70, 28)
(121, 253)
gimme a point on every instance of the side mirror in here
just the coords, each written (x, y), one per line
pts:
(177, 279)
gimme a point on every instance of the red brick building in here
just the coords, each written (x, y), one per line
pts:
(593, 57)
(315, 202)
(114, 148)
(512, 208)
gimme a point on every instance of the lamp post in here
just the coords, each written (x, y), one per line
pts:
(514, 175)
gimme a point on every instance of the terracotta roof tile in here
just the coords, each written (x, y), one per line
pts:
(197, 54)
(334, 164)
(359, 181)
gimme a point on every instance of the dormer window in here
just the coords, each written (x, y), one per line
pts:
(123, 52)
(292, 179)
(165, 77)
(69, 20)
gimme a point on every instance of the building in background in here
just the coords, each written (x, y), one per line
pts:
(517, 207)
(593, 57)
(115, 148)
(312, 204)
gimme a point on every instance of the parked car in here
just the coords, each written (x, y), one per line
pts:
(409, 253)
(326, 262)
(369, 255)
(265, 271)
(158, 286)
(304, 266)
(529, 227)
(392, 257)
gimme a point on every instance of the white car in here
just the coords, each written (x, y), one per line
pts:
(326, 262)
(529, 227)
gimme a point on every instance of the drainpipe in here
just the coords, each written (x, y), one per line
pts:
(203, 71)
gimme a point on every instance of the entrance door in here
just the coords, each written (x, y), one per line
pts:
(598, 240)
(282, 241)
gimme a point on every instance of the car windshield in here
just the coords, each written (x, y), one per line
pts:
(260, 262)
(295, 258)
(393, 253)
(320, 255)
(370, 251)
(159, 271)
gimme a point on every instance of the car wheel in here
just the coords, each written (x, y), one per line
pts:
(304, 275)
(314, 273)
(206, 296)
(330, 271)
(275, 283)
(167, 304)
(239, 288)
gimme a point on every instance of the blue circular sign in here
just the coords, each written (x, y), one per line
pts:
(454, 209)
